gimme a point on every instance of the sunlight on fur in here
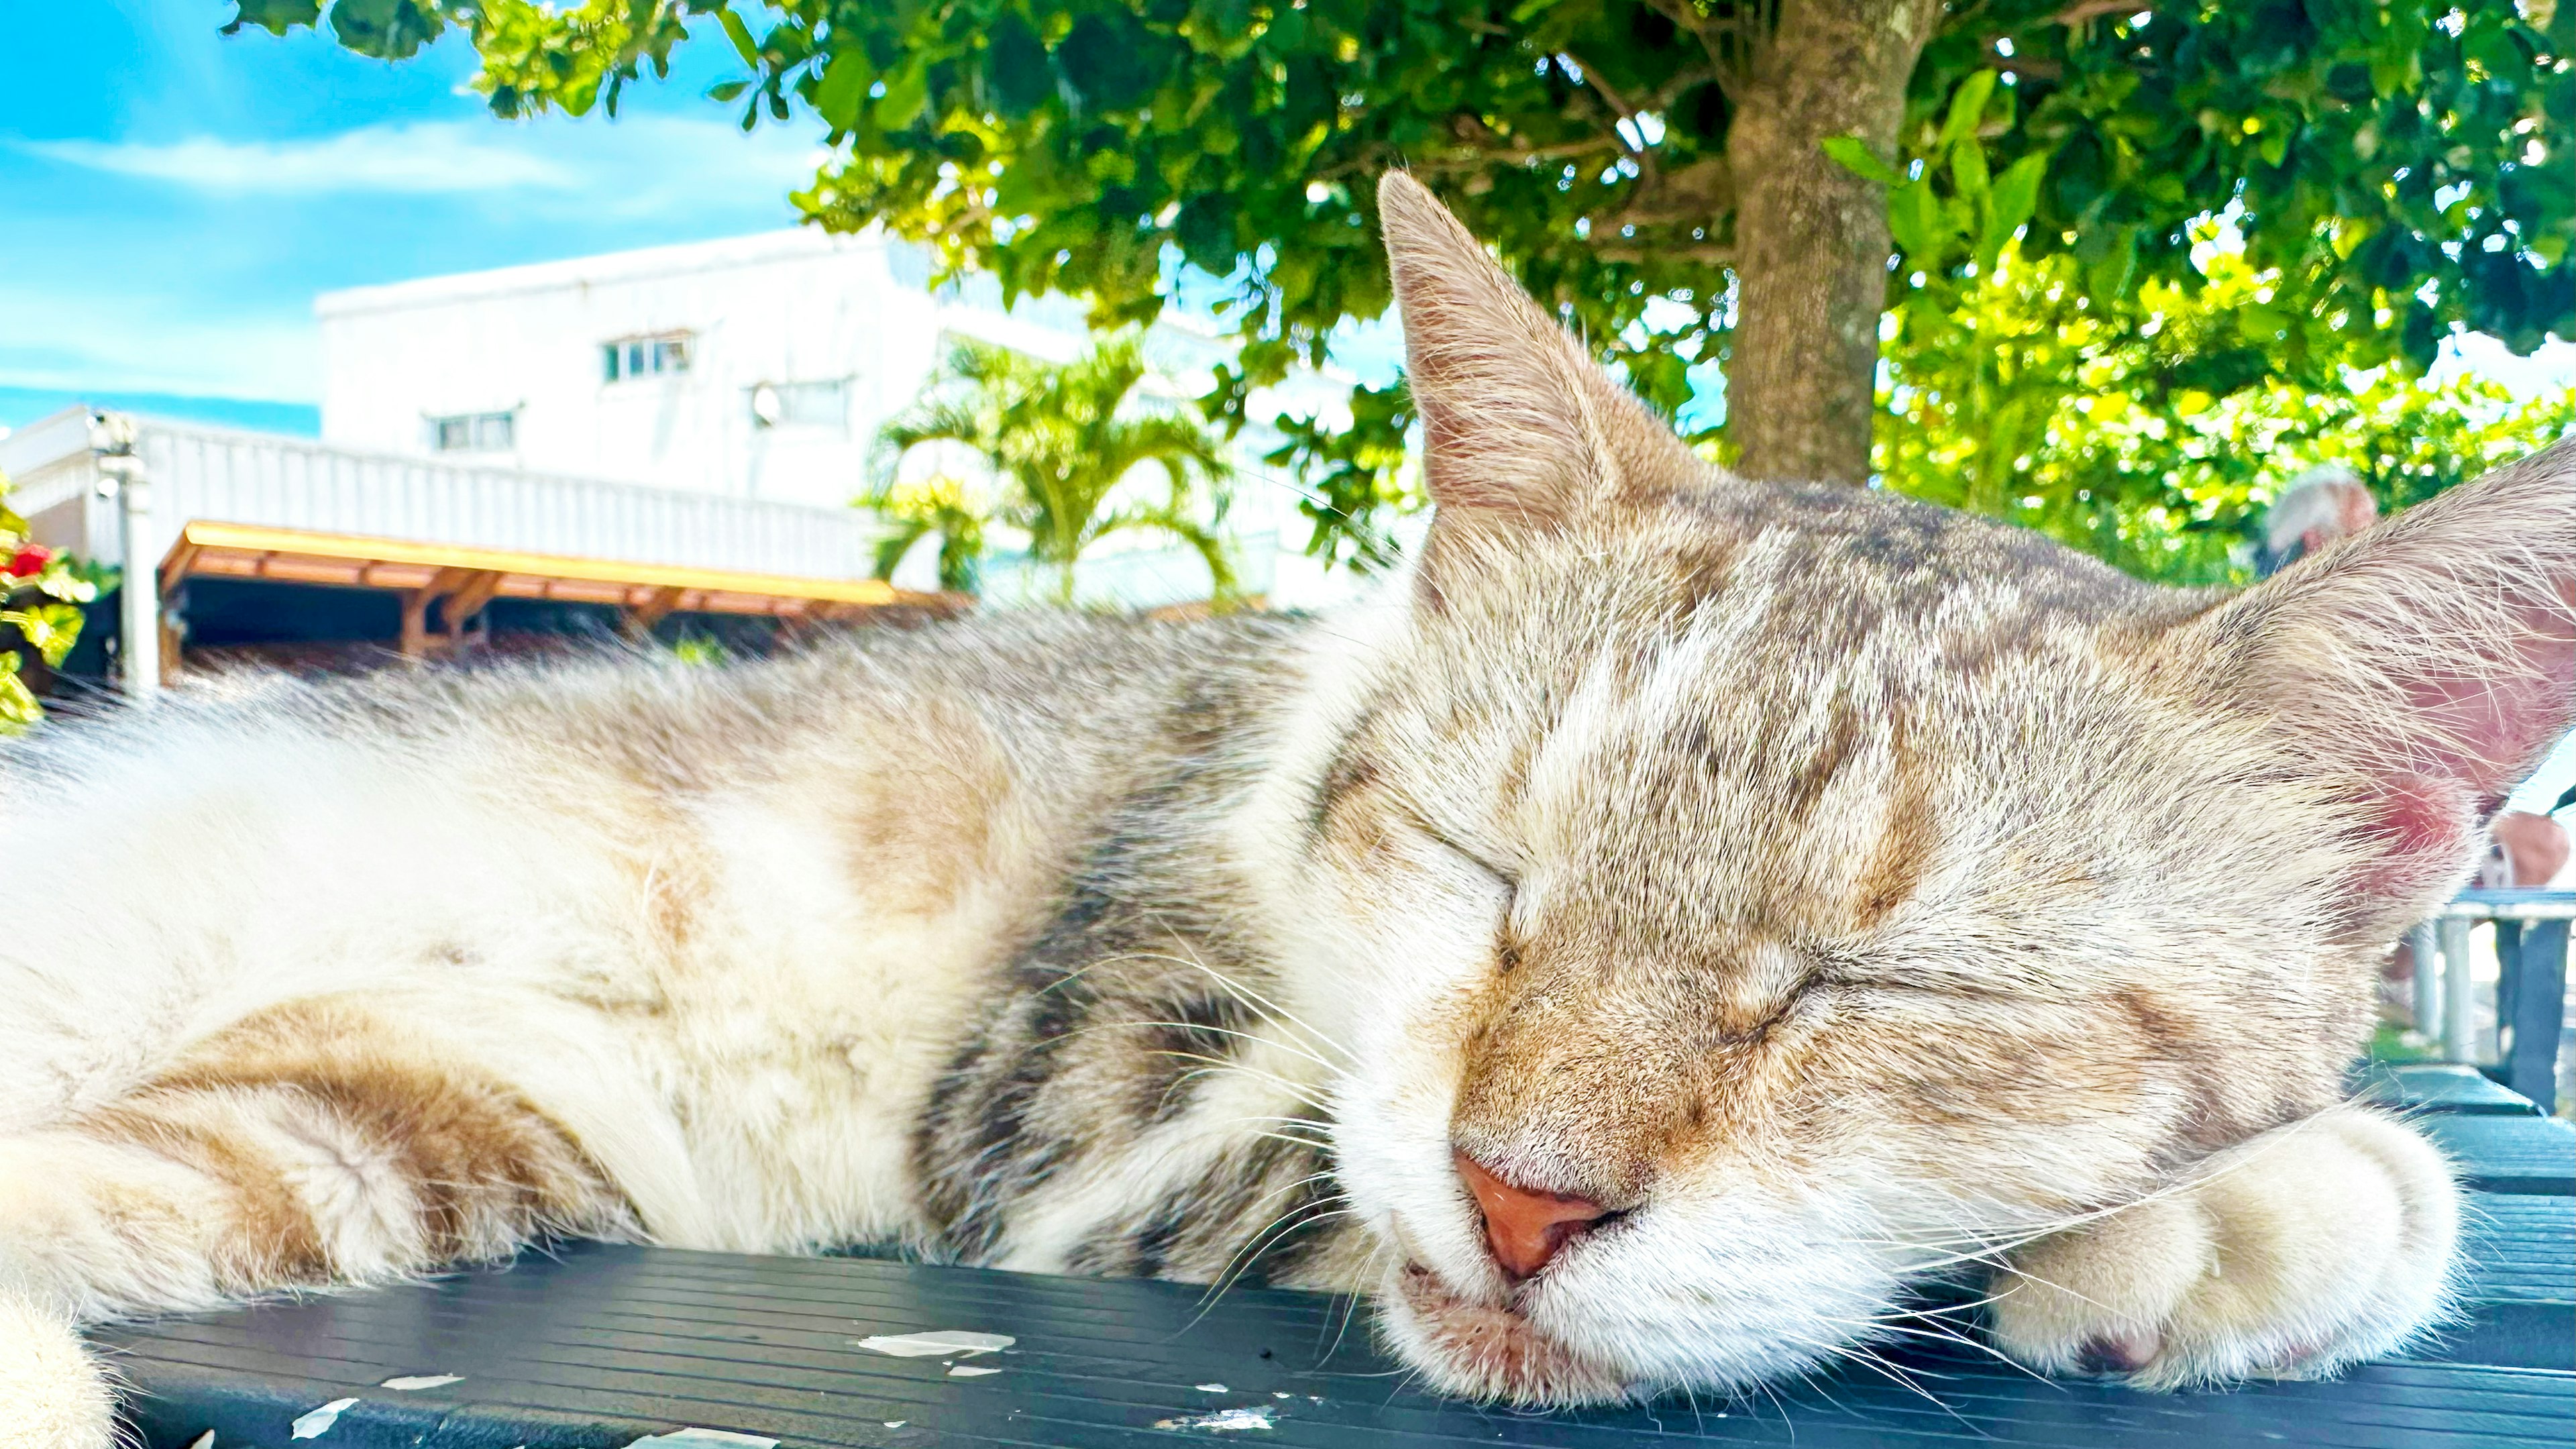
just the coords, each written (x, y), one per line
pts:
(1781, 897)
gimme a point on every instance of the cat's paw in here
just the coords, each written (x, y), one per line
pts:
(2305, 1250)
(52, 1392)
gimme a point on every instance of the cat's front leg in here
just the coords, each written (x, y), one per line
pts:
(53, 1393)
(2307, 1249)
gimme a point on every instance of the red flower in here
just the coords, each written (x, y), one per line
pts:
(30, 560)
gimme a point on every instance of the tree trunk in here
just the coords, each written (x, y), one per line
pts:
(1811, 243)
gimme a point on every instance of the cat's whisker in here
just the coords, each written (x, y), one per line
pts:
(1256, 1000)
(1894, 1324)
(1214, 1065)
(1260, 1005)
(1303, 1215)
(1197, 1026)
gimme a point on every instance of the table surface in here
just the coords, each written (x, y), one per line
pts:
(596, 1347)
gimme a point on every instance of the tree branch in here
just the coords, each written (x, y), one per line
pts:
(2083, 10)
(1709, 252)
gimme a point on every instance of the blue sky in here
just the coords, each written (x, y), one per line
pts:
(171, 199)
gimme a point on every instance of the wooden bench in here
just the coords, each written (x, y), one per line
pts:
(596, 1347)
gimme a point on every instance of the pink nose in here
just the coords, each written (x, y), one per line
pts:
(1523, 1227)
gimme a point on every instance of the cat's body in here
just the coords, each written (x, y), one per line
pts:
(1678, 916)
(722, 928)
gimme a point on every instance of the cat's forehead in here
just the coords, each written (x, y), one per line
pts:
(1877, 558)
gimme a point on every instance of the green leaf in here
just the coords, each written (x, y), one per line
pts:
(18, 707)
(906, 94)
(1017, 74)
(386, 29)
(1913, 221)
(2015, 195)
(1968, 170)
(1967, 108)
(2108, 277)
(1855, 156)
(2016, 192)
(843, 91)
(738, 33)
(274, 16)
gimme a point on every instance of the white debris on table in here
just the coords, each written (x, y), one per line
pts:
(422, 1381)
(703, 1439)
(314, 1423)
(944, 1342)
(1222, 1421)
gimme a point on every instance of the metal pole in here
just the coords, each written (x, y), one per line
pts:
(2427, 983)
(139, 617)
(2459, 993)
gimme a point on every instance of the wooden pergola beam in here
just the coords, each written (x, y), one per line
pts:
(467, 579)
(657, 606)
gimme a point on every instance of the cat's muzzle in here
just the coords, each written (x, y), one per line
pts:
(1488, 1351)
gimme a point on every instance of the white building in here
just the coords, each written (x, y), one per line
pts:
(755, 368)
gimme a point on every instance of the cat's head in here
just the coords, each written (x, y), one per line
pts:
(1758, 897)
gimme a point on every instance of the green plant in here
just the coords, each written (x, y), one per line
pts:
(40, 614)
(942, 506)
(2146, 426)
(1063, 443)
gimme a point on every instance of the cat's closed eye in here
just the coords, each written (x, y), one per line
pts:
(1504, 877)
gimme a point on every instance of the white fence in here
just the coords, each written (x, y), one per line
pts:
(257, 478)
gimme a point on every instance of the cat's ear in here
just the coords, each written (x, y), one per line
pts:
(1519, 427)
(2426, 664)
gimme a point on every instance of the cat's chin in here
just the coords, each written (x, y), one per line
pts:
(1480, 1351)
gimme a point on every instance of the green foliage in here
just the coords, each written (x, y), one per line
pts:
(940, 505)
(2394, 166)
(2146, 426)
(40, 614)
(1353, 475)
(1065, 443)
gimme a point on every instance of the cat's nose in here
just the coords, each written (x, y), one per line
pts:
(1525, 1228)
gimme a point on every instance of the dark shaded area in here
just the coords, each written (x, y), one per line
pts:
(324, 629)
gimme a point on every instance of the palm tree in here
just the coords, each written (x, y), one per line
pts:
(939, 505)
(1062, 442)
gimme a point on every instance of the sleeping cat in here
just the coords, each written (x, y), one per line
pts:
(1676, 918)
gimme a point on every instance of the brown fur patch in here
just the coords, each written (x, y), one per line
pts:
(1905, 843)
(920, 840)
(483, 1169)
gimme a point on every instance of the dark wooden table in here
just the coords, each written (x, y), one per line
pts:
(597, 1347)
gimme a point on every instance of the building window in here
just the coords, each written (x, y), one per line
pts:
(474, 432)
(802, 405)
(645, 356)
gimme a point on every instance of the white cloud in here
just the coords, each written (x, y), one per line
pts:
(636, 166)
(426, 157)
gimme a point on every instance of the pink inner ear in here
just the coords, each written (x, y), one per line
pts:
(2417, 814)
(2485, 727)
(2420, 826)
(2467, 723)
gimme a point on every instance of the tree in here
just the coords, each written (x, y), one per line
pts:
(1689, 181)
(1065, 442)
(940, 506)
